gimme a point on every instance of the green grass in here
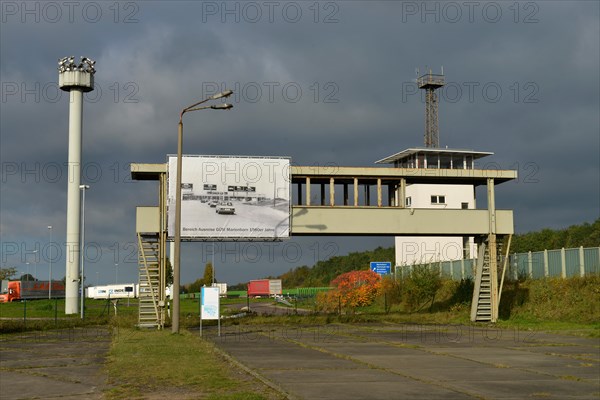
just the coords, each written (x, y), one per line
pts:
(567, 305)
(45, 308)
(324, 319)
(153, 362)
(46, 314)
(589, 329)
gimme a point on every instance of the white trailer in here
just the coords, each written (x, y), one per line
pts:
(120, 291)
(275, 287)
(222, 289)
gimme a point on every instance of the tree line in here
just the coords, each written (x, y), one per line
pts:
(586, 235)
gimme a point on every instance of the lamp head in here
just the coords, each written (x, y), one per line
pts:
(224, 106)
(223, 94)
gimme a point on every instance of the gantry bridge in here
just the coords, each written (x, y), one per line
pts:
(344, 201)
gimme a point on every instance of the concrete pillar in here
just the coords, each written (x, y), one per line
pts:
(75, 79)
(73, 202)
(331, 192)
(491, 204)
(402, 193)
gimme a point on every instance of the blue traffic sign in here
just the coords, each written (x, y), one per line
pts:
(381, 267)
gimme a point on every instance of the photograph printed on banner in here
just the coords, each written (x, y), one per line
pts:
(230, 197)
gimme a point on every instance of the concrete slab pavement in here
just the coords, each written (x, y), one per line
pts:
(56, 364)
(394, 361)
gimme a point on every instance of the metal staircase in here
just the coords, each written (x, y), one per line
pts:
(481, 307)
(484, 307)
(150, 309)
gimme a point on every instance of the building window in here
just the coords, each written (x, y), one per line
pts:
(408, 201)
(464, 206)
(438, 199)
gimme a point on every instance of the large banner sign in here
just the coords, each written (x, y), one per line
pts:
(231, 197)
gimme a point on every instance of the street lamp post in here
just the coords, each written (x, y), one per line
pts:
(36, 264)
(213, 263)
(116, 273)
(177, 253)
(83, 188)
(50, 265)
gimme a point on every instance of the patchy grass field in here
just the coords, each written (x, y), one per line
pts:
(158, 364)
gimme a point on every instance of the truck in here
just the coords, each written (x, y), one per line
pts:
(264, 287)
(29, 290)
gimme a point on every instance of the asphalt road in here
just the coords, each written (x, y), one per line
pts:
(393, 361)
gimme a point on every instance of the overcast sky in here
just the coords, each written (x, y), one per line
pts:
(320, 82)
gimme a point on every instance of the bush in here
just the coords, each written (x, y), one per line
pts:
(391, 293)
(328, 302)
(353, 289)
(463, 292)
(420, 287)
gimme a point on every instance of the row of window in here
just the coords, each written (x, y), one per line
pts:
(437, 199)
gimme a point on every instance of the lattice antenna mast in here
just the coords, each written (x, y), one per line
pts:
(430, 83)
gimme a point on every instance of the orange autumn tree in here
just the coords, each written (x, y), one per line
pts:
(352, 289)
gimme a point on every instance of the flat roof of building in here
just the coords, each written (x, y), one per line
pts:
(432, 151)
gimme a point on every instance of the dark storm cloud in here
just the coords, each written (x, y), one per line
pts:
(329, 86)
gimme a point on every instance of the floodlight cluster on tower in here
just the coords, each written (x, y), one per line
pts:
(68, 64)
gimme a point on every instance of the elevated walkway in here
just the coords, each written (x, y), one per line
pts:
(363, 201)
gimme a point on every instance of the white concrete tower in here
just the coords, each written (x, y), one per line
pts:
(75, 79)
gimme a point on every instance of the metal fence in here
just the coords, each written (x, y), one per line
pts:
(459, 269)
(564, 263)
